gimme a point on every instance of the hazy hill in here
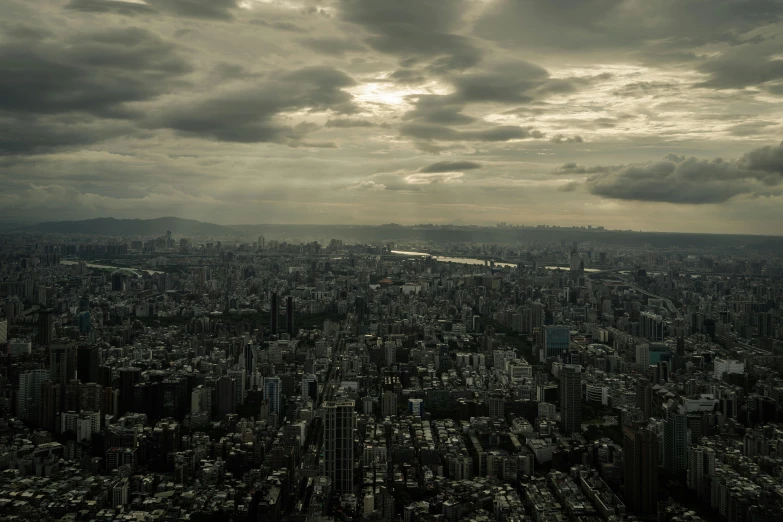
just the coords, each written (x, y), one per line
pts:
(134, 227)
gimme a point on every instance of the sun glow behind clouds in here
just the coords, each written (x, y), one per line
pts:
(382, 96)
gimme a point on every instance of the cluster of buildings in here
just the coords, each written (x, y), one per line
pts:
(162, 379)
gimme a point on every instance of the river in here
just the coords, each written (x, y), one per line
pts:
(109, 267)
(475, 261)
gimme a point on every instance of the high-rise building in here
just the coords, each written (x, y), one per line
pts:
(339, 426)
(765, 324)
(88, 359)
(61, 367)
(571, 398)
(3, 331)
(640, 461)
(226, 396)
(45, 327)
(289, 315)
(249, 358)
(416, 407)
(239, 374)
(651, 326)
(701, 467)
(201, 400)
(310, 388)
(644, 397)
(675, 437)
(390, 353)
(272, 393)
(389, 403)
(51, 401)
(29, 395)
(118, 282)
(556, 341)
(129, 377)
(274, 311)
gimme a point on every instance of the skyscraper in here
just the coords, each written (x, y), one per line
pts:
(272, 393)
(644, 396)
(701, 466)
(640, 461)
(339, 425)
(129, 377)
(274, 310)
(675, 437)
(571, 398)
(249, 358)
(556, 341)
(226, 396)
(289, 315)
(45, 327)
(389, 403)
(310, 387)
(61, 367)
(88, 358)
(29, 396)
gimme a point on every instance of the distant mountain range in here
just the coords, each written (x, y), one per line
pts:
(387, 233)
(134, 227)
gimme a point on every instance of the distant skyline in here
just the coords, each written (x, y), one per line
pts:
(654, 116)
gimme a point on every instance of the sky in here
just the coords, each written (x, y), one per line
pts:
(630, 114)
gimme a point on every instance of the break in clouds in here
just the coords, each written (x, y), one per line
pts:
(570, 112)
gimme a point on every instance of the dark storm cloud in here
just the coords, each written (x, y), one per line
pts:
(345, 123)
(450, 166)
(559, 138)
(115, 6)
(591, 25)
(209, 9)
(331, 45)
(96, 73)
(573, 168)
(441, 133)
(688, 180)
(218, 9)
(441, 110)
(737, 69)
(248, 115)
(407, 76)
(279, 25)
(765, 159)
(750, 128)
(41, 134)
(415, 30)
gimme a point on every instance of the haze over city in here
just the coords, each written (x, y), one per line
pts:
(658, 115)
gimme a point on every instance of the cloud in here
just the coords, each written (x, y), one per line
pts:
(96, 73)
(207, 9)
(368, 186)
(573, 168)
(441, 133)
(331, 45)
(345, 123)
(41, 134)
(250, 114)
(559, 138)
(415, 30)
(110, 6)
(765, 159)
(450, 166)
(591, 26)
(432, 178)
(279, 25)
(688, 180)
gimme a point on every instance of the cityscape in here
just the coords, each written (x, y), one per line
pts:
(391, 261)
(207, 378)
